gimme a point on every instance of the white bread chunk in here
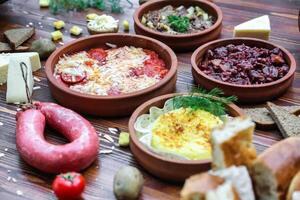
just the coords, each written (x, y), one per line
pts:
(232, 144)
(240, 179)
(207, 187)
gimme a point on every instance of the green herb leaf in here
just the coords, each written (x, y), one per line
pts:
(210, 101)
(178, 23)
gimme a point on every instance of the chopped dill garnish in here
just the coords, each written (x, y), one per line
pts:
(178, 23)
(211, 101)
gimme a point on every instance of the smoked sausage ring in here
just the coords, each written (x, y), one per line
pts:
(37, 152)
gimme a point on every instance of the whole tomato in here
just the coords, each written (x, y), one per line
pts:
(68, 186)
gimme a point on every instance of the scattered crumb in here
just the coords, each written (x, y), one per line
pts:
(1, 124)
(113, 148)
(19, 192)
(14, 180)
(114, 130)
(6, 149)
(100, 134)
(8, 171)
(2, 155)
(41, 26)
(36, 88)
(36, 79)
(106, 151)
(27, 26)
(30, 24)
(8, 178)
(40, 23)
(108, 138)
(61, 43)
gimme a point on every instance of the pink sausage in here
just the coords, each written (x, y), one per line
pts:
(36, 151)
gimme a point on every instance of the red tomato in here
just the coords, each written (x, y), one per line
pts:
(71, 79)
(98, 54)
(89, 63)
(68, 186)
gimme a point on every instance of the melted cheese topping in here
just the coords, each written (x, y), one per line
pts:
(184, 132)
(114, 73)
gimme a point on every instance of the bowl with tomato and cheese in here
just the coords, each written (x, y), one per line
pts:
(110, 74)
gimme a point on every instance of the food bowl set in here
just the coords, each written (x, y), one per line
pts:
(156, 95)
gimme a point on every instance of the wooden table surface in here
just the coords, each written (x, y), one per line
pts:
(37, 185)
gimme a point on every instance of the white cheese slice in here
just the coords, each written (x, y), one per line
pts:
(3, 70)
(257, 28)
(33, 56)
(16, 87)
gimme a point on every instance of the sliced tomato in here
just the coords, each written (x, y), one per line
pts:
(98, 54)
(137, 71)
(89, 63)
(71, 79)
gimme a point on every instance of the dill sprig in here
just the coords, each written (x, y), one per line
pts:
(211, 101)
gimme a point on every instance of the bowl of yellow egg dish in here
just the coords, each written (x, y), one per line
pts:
(170, 134)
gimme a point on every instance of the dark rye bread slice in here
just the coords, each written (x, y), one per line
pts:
(18, 36)
(5, 48)
(263, 118)
(288, 124)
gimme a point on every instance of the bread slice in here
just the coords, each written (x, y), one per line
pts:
(240, 179)
(5, 48)
(18, 36)
(274, 169)
(232, 144)
(288, 124)
(262, 116)
(294, 187)
(207, 187)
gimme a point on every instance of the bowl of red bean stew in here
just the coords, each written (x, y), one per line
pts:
(253, 70)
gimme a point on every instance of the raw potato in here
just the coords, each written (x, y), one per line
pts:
(128, 183)
(43, 46)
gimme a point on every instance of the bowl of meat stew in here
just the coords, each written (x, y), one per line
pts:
(253, 70)
(182, 25)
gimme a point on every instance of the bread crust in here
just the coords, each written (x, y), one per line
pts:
(200, 184)
(282, 162)
(294, 186)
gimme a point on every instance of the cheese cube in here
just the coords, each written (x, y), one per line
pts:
(33, 56)
(56, 35)
(16, 87)
(44, 3)
(76, 30)
(59, 24)
(257, 28)
(3, 70)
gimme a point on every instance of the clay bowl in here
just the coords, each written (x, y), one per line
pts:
(120, 105)
(162, 167)
(245, 93)
(184, 42)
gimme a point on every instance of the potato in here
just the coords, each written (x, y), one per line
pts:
(43, 46)
(128, 183)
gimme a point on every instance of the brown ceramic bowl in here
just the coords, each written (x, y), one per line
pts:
(160, 166)
(183, 42)
(120, 105)
(245, 93)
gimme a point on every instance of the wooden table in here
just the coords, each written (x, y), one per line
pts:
(37, 185)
